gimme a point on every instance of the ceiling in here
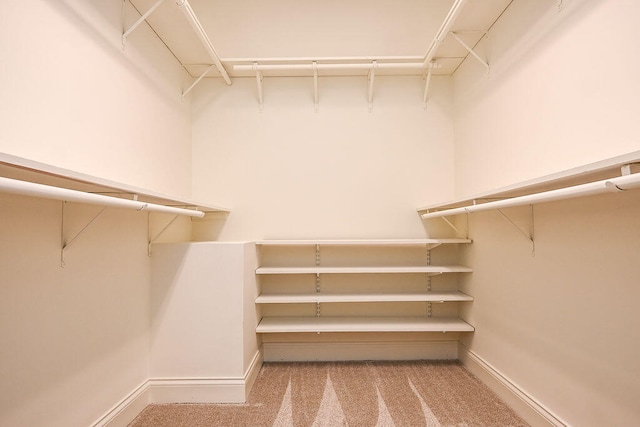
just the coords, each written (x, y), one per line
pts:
(329, 31)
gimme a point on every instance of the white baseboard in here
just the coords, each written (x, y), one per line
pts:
(527, 407)
(343, 351)
(182, 390)
(124, 412)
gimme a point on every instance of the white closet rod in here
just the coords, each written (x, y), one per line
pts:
(195, 23)
(311, 67)
(444, 30)
(25, 188)
(621, 183)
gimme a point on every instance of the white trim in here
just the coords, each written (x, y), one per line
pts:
(125, 411)
(525, 405)
(182, 390)
(342, 351)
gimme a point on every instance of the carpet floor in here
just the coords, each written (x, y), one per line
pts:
(422, 393)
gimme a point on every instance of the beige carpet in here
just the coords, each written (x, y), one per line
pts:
(349, 394)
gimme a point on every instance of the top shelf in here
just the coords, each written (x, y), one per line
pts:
(362, 242)
(605, 169)
(28, 170)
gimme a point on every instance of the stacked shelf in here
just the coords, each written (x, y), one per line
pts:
(348, 294)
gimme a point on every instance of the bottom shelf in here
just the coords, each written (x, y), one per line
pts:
(362, 324)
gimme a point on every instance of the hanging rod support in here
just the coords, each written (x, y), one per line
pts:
(259, 79)
(140, 21)
(470, 50)
(152, 240)
(426, 85)
(202, 35)
(372, 76)
(197, 81)
(315, 85)
(527, 235)
(449, 20)
(65, 244)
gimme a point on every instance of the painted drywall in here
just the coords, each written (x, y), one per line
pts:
(562, 92)
(291, 172)
(73, 98)
(558, 325)
(75, 340)
(197, 310)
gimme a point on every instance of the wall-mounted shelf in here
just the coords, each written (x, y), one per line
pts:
(324, 297)
(614, 174)
(361, 324)
(393, 272)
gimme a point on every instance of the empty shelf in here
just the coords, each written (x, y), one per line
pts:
(360, 270)
(356, 242)
(337, 297)
(361, 324)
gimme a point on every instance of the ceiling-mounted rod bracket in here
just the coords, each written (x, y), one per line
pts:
(140, 20)
(259, 78)
(197, 81)
(315, 85)
(527, 234)
(470, 50)
(66, 244)
(371, 78)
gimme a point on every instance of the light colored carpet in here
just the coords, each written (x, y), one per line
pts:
(363, 394)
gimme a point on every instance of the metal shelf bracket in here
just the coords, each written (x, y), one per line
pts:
(470, 50)
(529, 235)
(140, 20)
(64, 243)
(155, 238)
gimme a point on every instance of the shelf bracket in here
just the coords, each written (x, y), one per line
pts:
(456, 229)
(197, 80)
(140, 20)
(529, 235)
(153, 240)
(315, 85)
(470, 50)
(64, 243)
(426, 85)
(318, 257)
(371, 77)
(317, 290)
(259, 79)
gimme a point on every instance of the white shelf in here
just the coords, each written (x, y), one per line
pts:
(429, 269)
(356, 242)
(361, 324)
(337, 297)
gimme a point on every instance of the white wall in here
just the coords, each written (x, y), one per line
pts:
(72, 98)
(557, 324)
(562, 92)
(289, 172)
(75, 340)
